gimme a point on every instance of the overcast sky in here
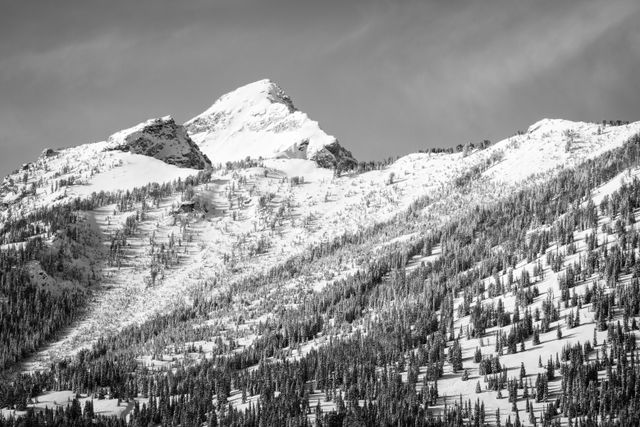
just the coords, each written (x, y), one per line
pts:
(386, 78)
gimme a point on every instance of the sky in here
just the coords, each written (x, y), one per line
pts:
(385, 77)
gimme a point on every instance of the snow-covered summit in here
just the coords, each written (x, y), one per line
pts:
(162, 139)
(260, 120)
(547, 125)
(255, 92)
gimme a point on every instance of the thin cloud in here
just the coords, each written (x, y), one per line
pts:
(478, 76)
(349, 38)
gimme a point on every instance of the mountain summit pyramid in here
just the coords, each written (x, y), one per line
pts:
(260, 120)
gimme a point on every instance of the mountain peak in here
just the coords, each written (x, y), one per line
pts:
(259, 120)
(256, 93)
(551, 124)
(263, 88)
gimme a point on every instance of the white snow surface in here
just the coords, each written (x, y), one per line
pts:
(256, 120)
(552, 143)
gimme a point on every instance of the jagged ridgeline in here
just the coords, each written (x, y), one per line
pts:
(475, 332)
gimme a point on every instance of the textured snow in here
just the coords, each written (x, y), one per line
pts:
(134, 170)
(91, 167)
(544, 147)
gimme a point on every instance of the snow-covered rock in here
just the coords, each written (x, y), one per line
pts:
(260, 120)
(162, 139)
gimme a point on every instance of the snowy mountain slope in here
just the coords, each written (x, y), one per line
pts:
(162, 139)
(552, 143)
(58, 176)
(248, 219)
(260, 120)
(452, 386)
(568, 330)
(257, 217)
(323, 207)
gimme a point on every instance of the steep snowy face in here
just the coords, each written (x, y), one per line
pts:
(260, 120)
(162, 139)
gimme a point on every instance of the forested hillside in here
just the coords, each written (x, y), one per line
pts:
(513, 310)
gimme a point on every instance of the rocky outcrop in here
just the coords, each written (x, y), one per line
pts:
(162, 139)
(48, 152)
(334, 156)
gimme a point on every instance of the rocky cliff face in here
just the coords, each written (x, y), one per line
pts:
(260, 120)
(334, 156)
(163, 139)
